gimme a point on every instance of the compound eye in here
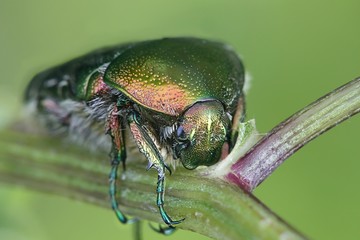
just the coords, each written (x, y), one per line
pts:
(180, 134)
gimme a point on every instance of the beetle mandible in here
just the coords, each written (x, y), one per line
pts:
(181, 99)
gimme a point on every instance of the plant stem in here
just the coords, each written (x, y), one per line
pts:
(211, 207)
(289, 136)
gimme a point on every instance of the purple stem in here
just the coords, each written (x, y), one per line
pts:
(289, 136)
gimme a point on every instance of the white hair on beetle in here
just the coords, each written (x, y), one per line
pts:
(247, 84)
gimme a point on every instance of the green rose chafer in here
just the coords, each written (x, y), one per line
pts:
(180, 98)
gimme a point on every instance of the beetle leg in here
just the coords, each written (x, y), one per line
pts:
(163, 230)
(238, 117)
(160, 190)
(116, 131)
(149, 146)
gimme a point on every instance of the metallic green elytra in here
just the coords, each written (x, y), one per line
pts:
(180, 98)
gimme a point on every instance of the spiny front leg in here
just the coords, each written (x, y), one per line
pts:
(237, 119)
(160, 190)
(149, 145)
(116, 131)
(112, 191)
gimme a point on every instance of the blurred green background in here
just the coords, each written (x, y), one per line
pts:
(296, 51)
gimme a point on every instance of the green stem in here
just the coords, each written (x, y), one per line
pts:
(211, 207)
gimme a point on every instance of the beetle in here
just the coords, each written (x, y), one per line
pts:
(180, 98)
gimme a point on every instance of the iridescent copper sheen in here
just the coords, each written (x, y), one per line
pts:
(169, 75)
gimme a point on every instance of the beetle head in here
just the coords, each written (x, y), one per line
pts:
(201, 134)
